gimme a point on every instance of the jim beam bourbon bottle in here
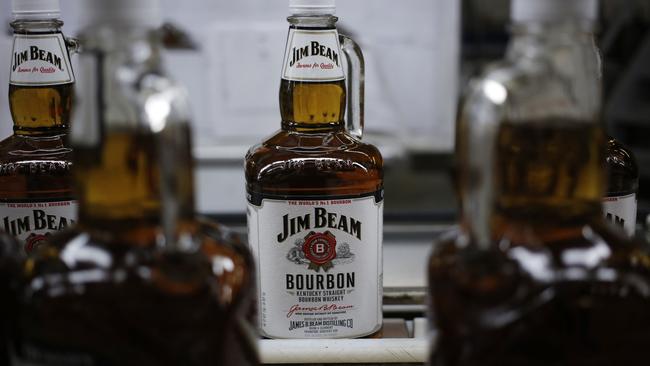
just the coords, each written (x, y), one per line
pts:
(315, 192)
(35, 180)
(620, 202)
(139, 280)
(536, 276)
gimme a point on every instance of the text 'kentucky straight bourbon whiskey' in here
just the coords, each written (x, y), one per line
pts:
(139, 280)
(315, 193)
(536, 275)
(35, 180)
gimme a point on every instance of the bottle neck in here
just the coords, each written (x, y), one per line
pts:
(41, 78)
(313, 91)
(313, 21)
(121, 63)
(566, 53)
(133, 160)
(535, 39)
(126, 53)
(36, 26)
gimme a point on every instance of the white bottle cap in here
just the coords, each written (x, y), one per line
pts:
(312, 7)
(40, 9)
(553, 10)
(140, 13)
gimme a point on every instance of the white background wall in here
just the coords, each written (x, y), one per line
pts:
(410, 47)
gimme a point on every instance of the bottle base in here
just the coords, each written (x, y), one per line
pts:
(375, 333)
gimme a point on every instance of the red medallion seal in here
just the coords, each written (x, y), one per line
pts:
(320, 250)
(35, 240)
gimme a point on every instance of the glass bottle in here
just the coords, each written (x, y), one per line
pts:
(536, 276)
(36, 196)
(620, 202)
(139, 280)
(315, 192)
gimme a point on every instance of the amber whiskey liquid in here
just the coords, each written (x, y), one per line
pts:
(315, 197)
(550, 167)
(37, 107)
(321, 104)
(36, 195)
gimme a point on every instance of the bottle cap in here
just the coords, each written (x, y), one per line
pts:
(312, 7)
(143, 13)
(553, 10)
(36, 8)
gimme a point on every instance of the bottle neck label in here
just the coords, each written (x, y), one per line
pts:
(40, 59)
(33, 221)
(313, 56)
(621, 211)
(319, 264)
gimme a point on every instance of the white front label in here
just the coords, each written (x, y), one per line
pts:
(33, 222)
(313, 55)
(621, 210)
(319, 266)
(40, 59)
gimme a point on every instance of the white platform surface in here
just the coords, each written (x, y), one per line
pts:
(315, 351)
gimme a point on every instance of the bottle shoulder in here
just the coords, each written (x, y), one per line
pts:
(302, 143)
(589, 247)
(35, 168)
(321, 151)
(231, 261)
(94, 286)
(521, 296)
(77, 257)
(622, 170)
(16, 148)
(621, 159)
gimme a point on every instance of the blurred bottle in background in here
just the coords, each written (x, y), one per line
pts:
(620, 202)
(140, 280)
(35, 180)
(536, 275)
